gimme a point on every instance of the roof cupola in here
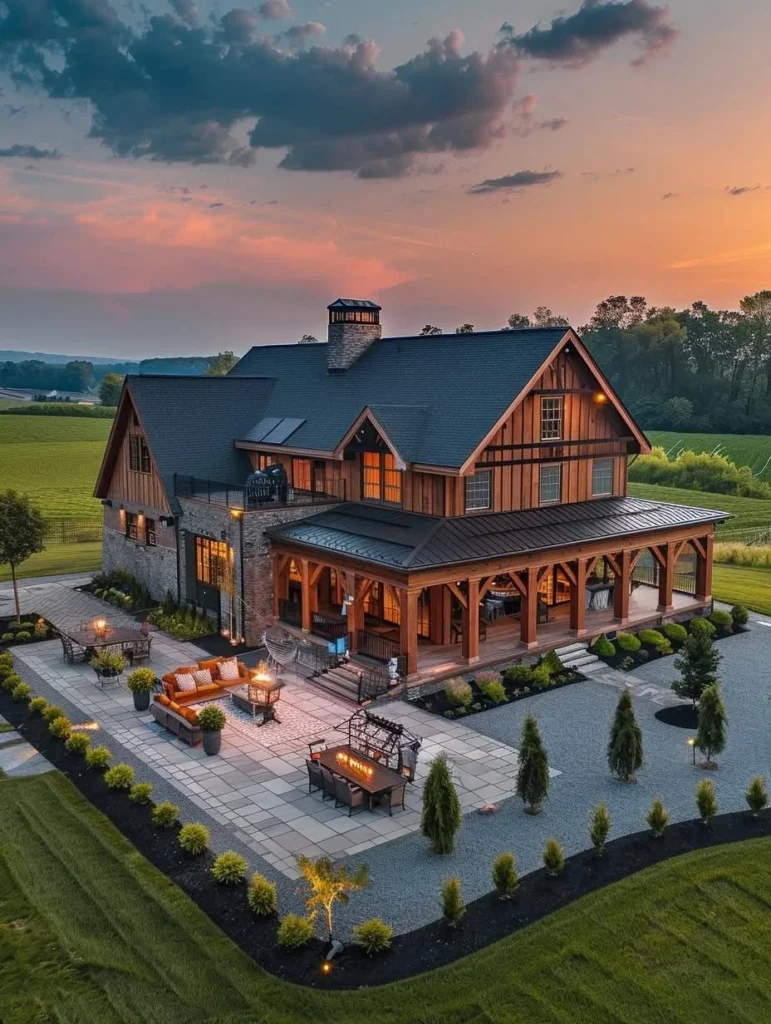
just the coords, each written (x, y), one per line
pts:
(353, 325)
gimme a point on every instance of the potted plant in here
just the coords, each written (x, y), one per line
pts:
(107, 665)
(140, 682)
(211, 721)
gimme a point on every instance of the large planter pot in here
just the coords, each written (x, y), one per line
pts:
(141, 699)
(212, 742)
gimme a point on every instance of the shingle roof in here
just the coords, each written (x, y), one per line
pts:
(411, 541)
(353, 304)
(191, 422)
(440, 395)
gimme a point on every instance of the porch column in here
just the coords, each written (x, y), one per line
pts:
(408, 630)
(578, 599)
(529, 613)
(305, 577)
(446, 615)
(704, 551)
(276, 580)
(666, 577)
(351, 611)
(471, 623)
(621, 587)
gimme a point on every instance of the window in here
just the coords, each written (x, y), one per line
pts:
(150, 539)
(212, 561)
(132, 525)
(381, 480)
(263, 461)
(551, 484)
(353, 317)
(602, 477)
(139, 454)
(551, 419)
(301, 474)
(478, 490)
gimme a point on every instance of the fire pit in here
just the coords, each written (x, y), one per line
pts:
(260, 696)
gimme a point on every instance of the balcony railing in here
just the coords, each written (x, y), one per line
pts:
(373, 645)
(684, 583)
(215, 492)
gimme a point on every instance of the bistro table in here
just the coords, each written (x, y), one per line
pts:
(382, 780)
(113, 637)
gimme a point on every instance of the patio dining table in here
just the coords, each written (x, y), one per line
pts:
(119, 636)
(381, 780)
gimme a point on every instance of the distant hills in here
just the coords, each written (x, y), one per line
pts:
(186, 365)
(12, 356)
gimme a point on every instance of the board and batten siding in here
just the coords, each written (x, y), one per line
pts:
(131, 486)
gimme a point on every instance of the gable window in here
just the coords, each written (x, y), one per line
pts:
(479, 490)
(212, 559)
(263, 461)
(132, 525)
(380, 479)
(150, 538)
(602, 477)
(139, 454)
(551, 419)
(301, 474)
(551, 484)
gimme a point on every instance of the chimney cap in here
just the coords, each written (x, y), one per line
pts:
(353, 304)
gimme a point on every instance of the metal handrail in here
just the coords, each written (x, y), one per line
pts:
(217, 492)
(381, 648)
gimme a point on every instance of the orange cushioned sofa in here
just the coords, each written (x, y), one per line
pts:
(208, 690)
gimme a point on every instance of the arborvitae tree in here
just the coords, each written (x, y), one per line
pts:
(697, 666)
(599, 826)
(441, 816)
(533, 772)
(757, 795)
(657, 817)
(625, 747)
(706, 800)
(505, 875)
(453, 907)
(711, 734)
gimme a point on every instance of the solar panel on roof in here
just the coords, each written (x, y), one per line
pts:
(283, 429)
(266, 424)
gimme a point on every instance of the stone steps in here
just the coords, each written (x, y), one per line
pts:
(576, 656)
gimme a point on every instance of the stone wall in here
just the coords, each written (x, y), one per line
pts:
(347, 341)
(155, 567)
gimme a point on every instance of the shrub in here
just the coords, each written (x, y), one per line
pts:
(141, 680)
(625, 745)
(38, 705)
(11, 681)
(657, 641)
(120, 776)
(294, 932)
(706, 800)
(628, 643)
(701, 625)
(453, 907)
(553, 857)
(739, 615)
(626, 663)
(194, 838)
(6, 660)
(722, 620)
(711, 734)
(533, 770)
(78, 743)
(493, 690)
(23, 635)
(458, 692)
(540, 678)
(7, 638)
(518, 676)
(52, 712)
(552, 663)
(603, 648)
(657, 817)
(21, 691)
(374, 936)
(505, 875)
(262, 896)
(599, 827)
(98, 757)
(229, 868)
(140, 792)
(165, 814)
(211, 718)
(60, 727)
(441, 814)
(757, 795)
(674, 632)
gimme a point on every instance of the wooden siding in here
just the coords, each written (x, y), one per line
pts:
(143, 489)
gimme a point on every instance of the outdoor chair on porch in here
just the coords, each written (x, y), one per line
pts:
(71, 652)
(315, 778)
(348, 795)
(327, 781)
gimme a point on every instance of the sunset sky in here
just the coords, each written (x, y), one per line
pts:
(480, 159)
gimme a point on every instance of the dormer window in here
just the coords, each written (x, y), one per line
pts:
(139, 454)
(551, 419)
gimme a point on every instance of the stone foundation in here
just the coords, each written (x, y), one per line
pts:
(155, 567)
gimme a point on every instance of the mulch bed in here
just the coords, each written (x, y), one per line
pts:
(437, 704)
(682, 716)
(487, 920)
(654, 655)
(7, 621)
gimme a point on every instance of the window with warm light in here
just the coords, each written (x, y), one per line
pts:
(301, 474)
(150, 536)
(380, 479)
(551, 419)
(550, 485)
(212, 561)
(263, 461)
(602, 477)
(479, 491)
(139, 454)
(132, 525)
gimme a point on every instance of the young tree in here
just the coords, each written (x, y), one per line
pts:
(505, 877)
(22, 533)
(711, 734)
(329, 884)
(657, 817)
(599, 827)
(110, 388)
(221, 364)
(625, 746)
(533, 771)
(757, 795)
(697, 666)
(441, 815)
(706, 800)
(453, 907)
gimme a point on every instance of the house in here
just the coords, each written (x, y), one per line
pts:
(447, 500)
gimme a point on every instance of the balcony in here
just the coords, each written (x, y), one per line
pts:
(235, 496)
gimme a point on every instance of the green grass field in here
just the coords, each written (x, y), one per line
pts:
(90, 933)
(748, 513)
(753, 450)
(743, 584)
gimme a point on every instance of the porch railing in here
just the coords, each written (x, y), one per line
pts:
(328, 628)
(290, 612)
(373, 645)
(373, 683)
(215, 492)
(682, 582)
(316, 658)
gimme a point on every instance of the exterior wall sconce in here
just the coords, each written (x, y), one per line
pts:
(600, 398)
(236, 513)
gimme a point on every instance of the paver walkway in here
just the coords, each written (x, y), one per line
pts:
(17, 757)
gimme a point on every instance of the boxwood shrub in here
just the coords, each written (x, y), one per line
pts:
(701, 625)
(674, 632)
(740, 615)
(603, 648)
(654, 639)
(628, 643)
(722, 620)
(262, 896)
(374, 936)
(294, 932)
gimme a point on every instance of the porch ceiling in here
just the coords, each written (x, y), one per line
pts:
(410, 541)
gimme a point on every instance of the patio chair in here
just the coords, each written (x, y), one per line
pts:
(408, 761)
(140, 649)
(348, 795)
(393, 797)
(315, 778)
(71, 652)
(315, 747)
(328, 782)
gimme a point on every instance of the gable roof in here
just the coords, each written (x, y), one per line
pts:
(439, 395)
(410, 541)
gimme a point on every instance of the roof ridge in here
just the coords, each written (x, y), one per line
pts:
(195, 376)
(429, 537)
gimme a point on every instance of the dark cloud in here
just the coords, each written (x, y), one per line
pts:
(30, 152)
(620, 172)
(520, 180)
(275, 10)
(215, 206)
(554, 124)
(578, 38)
(741, 190)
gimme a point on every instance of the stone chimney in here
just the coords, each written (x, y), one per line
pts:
(353, 325)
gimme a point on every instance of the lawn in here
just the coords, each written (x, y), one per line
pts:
(743, 584)
(753, 450)
(60, 558)
(90, 932)
(748, 513)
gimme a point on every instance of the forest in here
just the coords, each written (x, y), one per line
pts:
(82, 375)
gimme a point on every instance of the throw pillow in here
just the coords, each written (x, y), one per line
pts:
(185, 682)
(202, 677)
(229, 669)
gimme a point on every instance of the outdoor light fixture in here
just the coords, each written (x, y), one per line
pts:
(100, 627)
(265, 692)
(326, 967)
(692, 745)
(600, 398)
(236, 513)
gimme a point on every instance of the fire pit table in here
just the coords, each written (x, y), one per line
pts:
(259, 697)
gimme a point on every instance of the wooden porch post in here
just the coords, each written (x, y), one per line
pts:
(578, 598)
(276, 579)
(529, 613)
(408, 630)
(305, 577)
(704, 552)
(446, 615)
(621, 587)
(351, 614)
(666, 577)
(471, 623)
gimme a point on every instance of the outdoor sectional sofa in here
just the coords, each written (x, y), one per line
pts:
(208, 691)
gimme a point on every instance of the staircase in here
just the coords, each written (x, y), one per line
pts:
(342, 682)
(577, 656)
